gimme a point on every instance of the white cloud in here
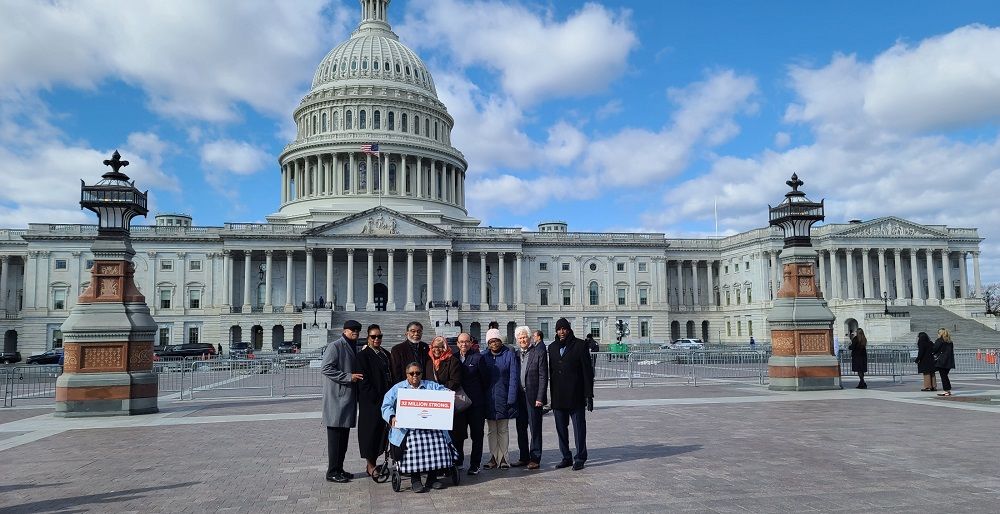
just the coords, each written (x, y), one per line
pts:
(536, 56)
(486, 195)
(236, 157)
(609, 109)
(782, 140)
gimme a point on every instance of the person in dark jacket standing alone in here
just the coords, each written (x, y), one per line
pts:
(571, 381)
(944, 359)
(925, 361)
(859, 357)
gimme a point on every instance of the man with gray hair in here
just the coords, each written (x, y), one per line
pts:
(531, 397)
(340, 398)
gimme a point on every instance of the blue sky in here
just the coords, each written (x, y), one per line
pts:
(612, 116)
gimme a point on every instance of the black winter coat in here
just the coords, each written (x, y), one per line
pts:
(475, 376)
(859, 357)
(945, 351)
(571, 375)
(925, 357)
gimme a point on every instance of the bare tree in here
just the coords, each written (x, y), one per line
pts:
(991, 296)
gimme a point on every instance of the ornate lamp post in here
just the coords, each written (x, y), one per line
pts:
(108, 336)
(885, 300)
(800, 321)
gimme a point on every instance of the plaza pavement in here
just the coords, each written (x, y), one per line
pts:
(718, 447)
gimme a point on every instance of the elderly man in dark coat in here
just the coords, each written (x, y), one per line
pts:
(413, 349)
(340, 398)
(571, 377)
(533, 394)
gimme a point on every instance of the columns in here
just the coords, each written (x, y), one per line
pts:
(4, 264)
(501, 296)
(289, 284)
(852, 279)
(898, 262)
(390, 264)
(978, 291)
(420, 177)
(835, 281)
(409, 280)
(949, 289)
(695, 293)
(268, 259)
(337, 174)
(866, 269)
(482, 282)
(822, 275)
(352, 171)
(517, 279)
(963, 275)
(711, 284)
(610, 295)
(447, 275)
(883, 287)
(932, 293)
(369, 181)
(370, 279)
(246, 281)
(773, 274)
(914, 276)
(227, 277)
(430, 276)
(465, 280)
(329, 277)
(680, 283)
(349, 301)
(309, 275)
(284, 183)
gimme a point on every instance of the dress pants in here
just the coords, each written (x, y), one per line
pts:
(529, 420)
(499, 439)
(336, 442)
(469, 423)
(578, 417)
(945, 381)
(930, 380)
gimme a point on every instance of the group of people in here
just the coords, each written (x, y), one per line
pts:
(932, 358)
(501, 383)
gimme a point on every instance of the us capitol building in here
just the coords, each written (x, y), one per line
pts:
(383, 235)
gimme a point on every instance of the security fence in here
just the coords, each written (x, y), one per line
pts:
(29, 382)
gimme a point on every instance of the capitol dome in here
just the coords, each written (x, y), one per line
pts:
(371, 132)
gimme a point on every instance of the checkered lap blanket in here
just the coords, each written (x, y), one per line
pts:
(427, 450)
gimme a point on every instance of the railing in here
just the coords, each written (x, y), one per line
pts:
(883, 315)
(235, 309)
(28, 382)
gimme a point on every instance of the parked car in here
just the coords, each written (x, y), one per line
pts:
(240, 350)
(10, 357)
(52, 356)
(186, 350)
(288, 348)
(688, 344)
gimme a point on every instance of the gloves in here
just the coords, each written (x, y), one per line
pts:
(590, 404)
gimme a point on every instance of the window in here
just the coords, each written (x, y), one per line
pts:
(643, 296)
(739, 328)
(362, 117)
(194, 266)
(543, 266)
(397, 67)
(392, 121)
(620, 266)
(349, 120)
(594, 293)
(164, 298)
(435, 130)
(566, 296)
(166, 265)
(749, 327)
(565, 266)
(416, 125)
(57, 338)
(729, 328)
(621, 296)
(89, 264)
(164, 337)
(427, 127)
(375, 65)
(193, 334)
(313, 126)
(364, 64)
(543, 296)
(642, 266)
(736, 267)
(402, 122)
(593, 266)
(726, 268)
(738, 297)
(336, 120)
(60, 263)
(595, 329)
(749, 295)
(354, 64)
(59, 299)
(544, 327)
(385, 66)
(194, 299)
(323, 125)
(377, 119)
(643, 328)
(727, 297)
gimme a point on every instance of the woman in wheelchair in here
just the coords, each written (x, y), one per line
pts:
(418, 450)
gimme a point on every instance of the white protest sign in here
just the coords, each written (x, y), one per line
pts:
(423, 408)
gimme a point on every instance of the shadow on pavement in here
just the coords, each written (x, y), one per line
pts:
(75, 503)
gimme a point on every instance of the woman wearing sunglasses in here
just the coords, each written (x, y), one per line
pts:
(373, 363)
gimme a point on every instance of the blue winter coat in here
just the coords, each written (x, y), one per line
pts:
(505, 382)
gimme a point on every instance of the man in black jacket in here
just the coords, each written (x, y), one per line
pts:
(571, 377)
(532, 396)
(411, 350)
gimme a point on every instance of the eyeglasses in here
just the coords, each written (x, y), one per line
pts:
(414, 373)
(374, 336)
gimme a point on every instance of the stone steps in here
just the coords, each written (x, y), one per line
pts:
(392, 323)
(965, 333)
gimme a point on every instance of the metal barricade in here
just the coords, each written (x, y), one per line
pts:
(977, 361)
(302, 374)
(29, 382)
(252, 376)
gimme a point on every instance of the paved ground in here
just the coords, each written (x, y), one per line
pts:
(731, 447)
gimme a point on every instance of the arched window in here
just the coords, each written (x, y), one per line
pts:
(435, 130)
(336, 120)
(397, 67)
(386, 67)
(594, 294)
(427, 127)
(392, 120)
(348, 120)
(364, 64)
(323, 124)
(402, 125)
(314, 125)
(354, 64)
(361, 119)
(377, 120)
(416, 125)
(392, 178)
(375, 65)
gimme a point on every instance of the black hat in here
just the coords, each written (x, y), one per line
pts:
(352, 325)
(562, 323)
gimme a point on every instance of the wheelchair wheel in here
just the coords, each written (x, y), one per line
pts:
(381, 473)
(397, 480)
(455, 480)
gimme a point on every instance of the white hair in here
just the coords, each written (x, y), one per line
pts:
(522, 330)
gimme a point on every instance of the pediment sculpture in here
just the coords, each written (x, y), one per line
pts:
(890, 229)
(380, 225)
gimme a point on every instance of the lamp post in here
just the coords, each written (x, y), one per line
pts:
(885, 300)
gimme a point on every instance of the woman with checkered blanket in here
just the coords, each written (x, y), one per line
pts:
(416, 450)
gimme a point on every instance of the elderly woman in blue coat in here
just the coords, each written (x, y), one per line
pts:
(501, 397)
(397, 435)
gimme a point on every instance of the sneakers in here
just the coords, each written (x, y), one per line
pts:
(473, 470)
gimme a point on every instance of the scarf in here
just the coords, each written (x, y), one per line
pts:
(437, 361)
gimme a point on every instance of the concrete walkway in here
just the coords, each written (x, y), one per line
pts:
(719, 447)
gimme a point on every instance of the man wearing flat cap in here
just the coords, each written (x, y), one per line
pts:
(340, 398)
(571, 382)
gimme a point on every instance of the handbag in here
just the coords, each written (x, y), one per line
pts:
(941, 359)
(462, 400)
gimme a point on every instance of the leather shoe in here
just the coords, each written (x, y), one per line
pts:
(532, 465)
(339, 478)
(519, 463)
(417, 486)
(437, 484)
(577, 466)
(564, 464)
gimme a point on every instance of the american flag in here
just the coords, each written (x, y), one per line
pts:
(370, 148)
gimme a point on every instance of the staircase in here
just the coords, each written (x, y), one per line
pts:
(392, 323)
(966, 333)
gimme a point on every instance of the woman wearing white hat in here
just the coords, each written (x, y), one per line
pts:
(501, 397)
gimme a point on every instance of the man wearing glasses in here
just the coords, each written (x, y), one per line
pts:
(411, 350)
(340, 400)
